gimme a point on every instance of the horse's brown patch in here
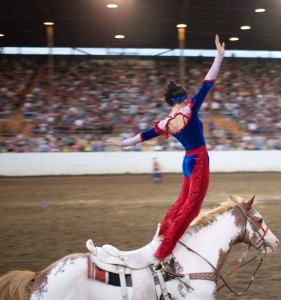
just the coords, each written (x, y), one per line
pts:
(41, 280)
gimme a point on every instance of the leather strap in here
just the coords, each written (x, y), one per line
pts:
(204, 276)
(124, 291)
(163, 287)
(170, 272)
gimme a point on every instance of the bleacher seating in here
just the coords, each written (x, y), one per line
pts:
(90, 99)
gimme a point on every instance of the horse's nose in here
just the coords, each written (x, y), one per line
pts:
(276, 244)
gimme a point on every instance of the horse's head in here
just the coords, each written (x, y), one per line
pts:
(254, 230)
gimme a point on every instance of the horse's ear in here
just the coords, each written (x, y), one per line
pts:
(232, 198)
(250, 202)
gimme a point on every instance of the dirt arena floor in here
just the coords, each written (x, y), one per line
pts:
(46, 218)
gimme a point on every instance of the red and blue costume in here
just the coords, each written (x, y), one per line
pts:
(195, 165)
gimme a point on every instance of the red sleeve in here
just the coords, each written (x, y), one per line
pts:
(160, 131)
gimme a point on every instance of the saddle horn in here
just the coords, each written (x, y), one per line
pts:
(91, 247)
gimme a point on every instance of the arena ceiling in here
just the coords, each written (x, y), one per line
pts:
(145, 23)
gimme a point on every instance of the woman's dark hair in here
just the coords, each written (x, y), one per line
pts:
(173, 91)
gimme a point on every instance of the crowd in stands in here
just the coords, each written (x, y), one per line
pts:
(16, 74)
(90, 99)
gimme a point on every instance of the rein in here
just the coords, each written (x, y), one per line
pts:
(222, 276)
(254, 224)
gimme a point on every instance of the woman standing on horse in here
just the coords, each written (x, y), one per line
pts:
(184, 124)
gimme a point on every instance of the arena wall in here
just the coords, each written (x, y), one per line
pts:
(79, 163)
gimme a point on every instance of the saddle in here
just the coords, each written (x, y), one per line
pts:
(134, 263)
(136, 259)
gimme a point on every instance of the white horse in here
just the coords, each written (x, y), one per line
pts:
(197, 258)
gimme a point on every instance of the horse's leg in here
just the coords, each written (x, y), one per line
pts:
(16, 285)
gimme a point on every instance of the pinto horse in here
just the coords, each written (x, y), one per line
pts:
(198, 259)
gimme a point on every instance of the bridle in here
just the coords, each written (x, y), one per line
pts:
(256, 227)
(263, 245)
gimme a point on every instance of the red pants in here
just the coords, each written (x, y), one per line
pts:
(187, 207)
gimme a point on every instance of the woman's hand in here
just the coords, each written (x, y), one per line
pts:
(220, 47)
(114, 142)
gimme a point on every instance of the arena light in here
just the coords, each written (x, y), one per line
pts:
(48, 23)
(245, 27)
(119, 36)
(234, 39)
(181, 26)
(259, 10)
(112, 5)
(1, 35)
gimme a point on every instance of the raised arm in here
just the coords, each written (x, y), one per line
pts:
(210, 77)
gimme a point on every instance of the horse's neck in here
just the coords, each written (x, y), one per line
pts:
(212, 242)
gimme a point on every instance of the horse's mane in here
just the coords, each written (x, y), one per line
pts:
(207, 216)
